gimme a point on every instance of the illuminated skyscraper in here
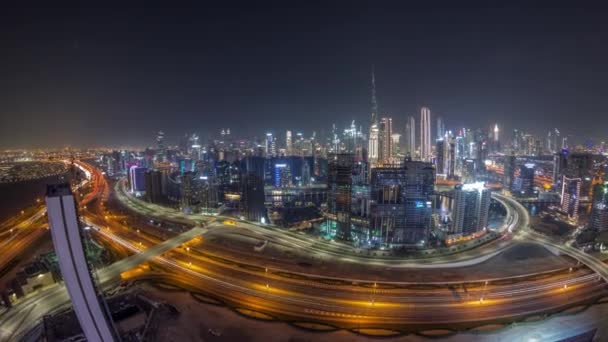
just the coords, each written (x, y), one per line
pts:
(186, 191)
(440, 128)
(425, 134)
(95, 322)
(137, 179)
(160, 147)
(339, 186)
(282, 175)
(571, 193)
(153, 182)
(508, 172)
(471, 208)
(419, 194)
(449, 155)
(373, 148)
(270, 149)
(373, 152)
(288, 143)
(374, 103)
(396, 141)
(410, 137)
(599, 212)
(388, 204)
(439, 161)
(495, 139)
(525, 181)
(385, 142)
(459, 154)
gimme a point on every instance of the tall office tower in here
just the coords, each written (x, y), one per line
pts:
(466, 143)
(538, 147)
(388, 205)
(252, 199)
(305, 178)
(459, 155)
(571, 193)
(439, 161)
(559, 164)
(458, 210)
(483, 210)
(529, 141)
(550, 146)
(525, 181)
(253, 171)
(186, 191)
(516, 144)
(335, 141)
(599, 211)
(425, 135)
(350, 138)
(339, 186)
(447, 153)
(137, 179)
(496, 139)
(410, 137)
(471, 208)
(468, 171)
(396, 142)
(160, 147)
(440, 128)
(556, 140)
(195, 147)
(373, 146)
(67, 236)
(282, 175)
(373, 152)
(271, 148)
(288, 143)
(419, 195)
(153, 181)
(481, 152)
(508, 172)
(374, 102)
(449, 156)
(385, 142)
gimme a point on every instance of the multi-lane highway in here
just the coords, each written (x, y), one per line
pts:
(309, 298)
(526, 233)
(21, 231)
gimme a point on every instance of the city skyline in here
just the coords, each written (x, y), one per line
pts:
(303, 171)
(86, 75)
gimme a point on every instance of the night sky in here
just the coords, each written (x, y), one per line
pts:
(114, 76)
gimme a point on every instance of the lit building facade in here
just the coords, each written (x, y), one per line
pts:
(571, 193)
(388, 205)
(425, 135)
(339, 187)
(599, 212)
(410, 138)
(385, 142)
(137, 179)
(471, 209)
(419, 196)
